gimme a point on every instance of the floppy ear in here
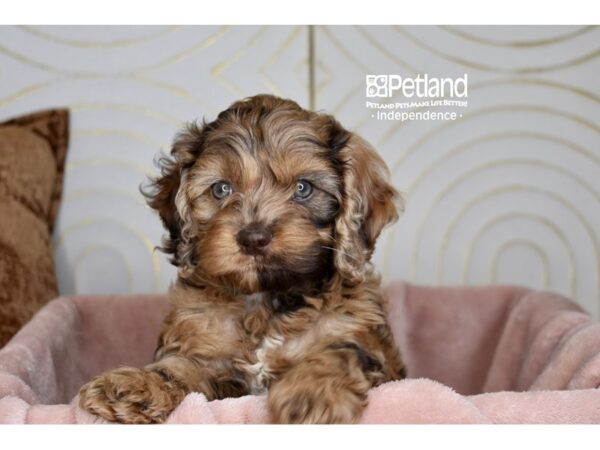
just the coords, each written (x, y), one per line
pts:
(166, 196)
(369, 203)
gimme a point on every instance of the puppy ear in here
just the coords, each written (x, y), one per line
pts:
(166, 196)
(369, 203)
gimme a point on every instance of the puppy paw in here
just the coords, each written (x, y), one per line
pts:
(307, 397)
(130, 395)
(310, 406)
(327, 387)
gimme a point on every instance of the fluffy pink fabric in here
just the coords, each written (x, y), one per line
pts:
(474, 355)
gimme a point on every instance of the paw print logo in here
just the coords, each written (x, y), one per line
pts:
(377, 86)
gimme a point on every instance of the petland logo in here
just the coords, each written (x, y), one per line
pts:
(419, 98)
(421, 86)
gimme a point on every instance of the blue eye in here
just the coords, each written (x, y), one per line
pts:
(221, 190)
(303, 190)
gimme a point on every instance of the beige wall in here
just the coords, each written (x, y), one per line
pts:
(508, 194)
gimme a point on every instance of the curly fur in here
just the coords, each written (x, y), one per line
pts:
(305, 321)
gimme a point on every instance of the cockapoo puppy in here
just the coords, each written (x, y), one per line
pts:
(272, 213)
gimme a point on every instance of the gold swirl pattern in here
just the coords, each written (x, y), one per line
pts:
(217, 71)
(535, 83)
(586, 57)
(453, 152)
(126, 134)
(264, 68)
(478, 169)
(157, 115)
(81, 193)
(518, 43)
(489, 111)
(559, 199)
(66, 232)
(537, 249)
(173, 59)
(141, 169)
(88, 251)
(555, 108)
(546, 107)
(135, 106)
(312, 76)
(91, 44)
(536, 218)
(462, 148)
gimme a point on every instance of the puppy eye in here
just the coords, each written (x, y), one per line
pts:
(221, 190)
(303, 190)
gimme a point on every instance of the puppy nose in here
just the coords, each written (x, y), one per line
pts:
(253, 239)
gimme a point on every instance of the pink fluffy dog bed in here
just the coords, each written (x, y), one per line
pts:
(474, 355)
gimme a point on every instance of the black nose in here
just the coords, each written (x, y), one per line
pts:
(253, 239)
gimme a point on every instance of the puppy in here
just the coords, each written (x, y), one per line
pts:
(272, 213)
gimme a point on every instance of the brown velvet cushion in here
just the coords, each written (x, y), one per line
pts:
(32, 159)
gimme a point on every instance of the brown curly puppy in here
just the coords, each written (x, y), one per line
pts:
(272, 213)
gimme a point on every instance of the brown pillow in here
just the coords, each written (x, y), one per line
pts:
(32, 159)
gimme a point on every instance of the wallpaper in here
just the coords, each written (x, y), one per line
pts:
(508, 193)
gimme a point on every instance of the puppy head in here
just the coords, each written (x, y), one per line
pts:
(270, 196)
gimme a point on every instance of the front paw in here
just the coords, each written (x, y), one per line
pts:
(130, 395)
(331, 402)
